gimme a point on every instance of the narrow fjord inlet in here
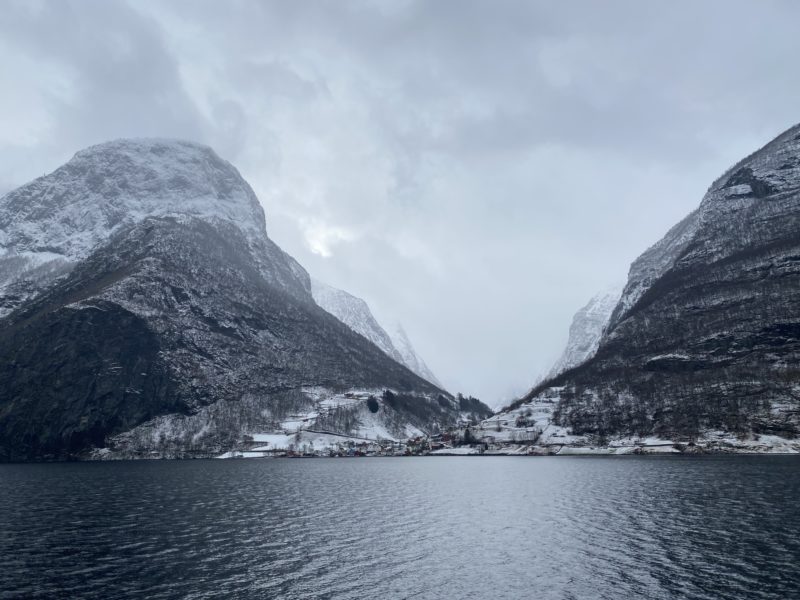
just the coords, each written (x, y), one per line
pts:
(399, 299)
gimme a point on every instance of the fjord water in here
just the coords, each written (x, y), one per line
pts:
(449, 527)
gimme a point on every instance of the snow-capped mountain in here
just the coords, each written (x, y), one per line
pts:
(106, 187)
(147, 311)
(409, 356)
(51, 223)
(356, 314)
(705, 341)
(587, 329)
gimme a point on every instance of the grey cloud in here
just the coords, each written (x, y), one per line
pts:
(123, 76)
(275, 78)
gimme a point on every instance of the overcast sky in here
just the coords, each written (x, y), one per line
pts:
(477, 169)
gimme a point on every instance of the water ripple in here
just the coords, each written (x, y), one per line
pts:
(553, 528)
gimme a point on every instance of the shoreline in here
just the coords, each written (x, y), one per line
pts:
(75, 460)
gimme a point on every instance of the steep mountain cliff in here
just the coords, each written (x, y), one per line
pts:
(409, 356)
(355, 313)
(148, 311)
(587, 329)
(706, 336)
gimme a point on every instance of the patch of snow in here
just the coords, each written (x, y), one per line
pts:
(460, 451)
(245, 454)
(670, 356)
(738, 190)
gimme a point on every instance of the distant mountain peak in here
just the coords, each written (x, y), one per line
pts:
(587, 329)
(409, 355)
(356, 314)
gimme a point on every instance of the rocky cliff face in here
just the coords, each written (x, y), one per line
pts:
(587, 329)
(706, 336)
(149, 292)
(355, 313)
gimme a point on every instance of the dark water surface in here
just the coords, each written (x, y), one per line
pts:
(449, 527)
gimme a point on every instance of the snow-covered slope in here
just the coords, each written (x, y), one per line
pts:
(143, 294)
(109, 186)
(587, 329)
(355, 313)
(49, 224)
(409, 355)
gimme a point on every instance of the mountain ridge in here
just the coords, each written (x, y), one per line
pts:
(356, 314)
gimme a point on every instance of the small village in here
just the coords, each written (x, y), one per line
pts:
(466, 438)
